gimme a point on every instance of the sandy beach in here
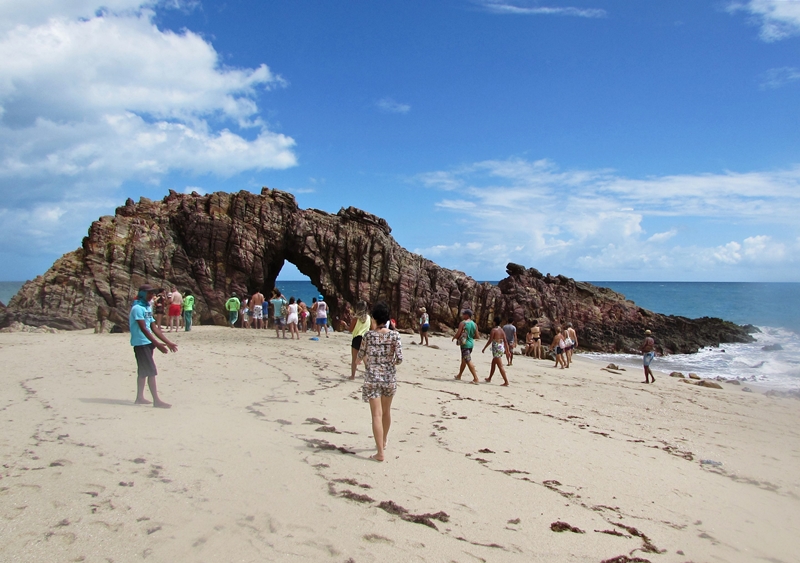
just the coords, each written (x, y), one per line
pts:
(264, 457)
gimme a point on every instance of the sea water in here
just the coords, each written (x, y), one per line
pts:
(772, 307)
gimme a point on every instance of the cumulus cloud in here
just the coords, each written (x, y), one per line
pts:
(521, 7)
(93, 95)
(598, 221)
(778, 19)
(389, 105)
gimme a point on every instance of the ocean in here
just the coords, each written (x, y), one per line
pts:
(772, 307)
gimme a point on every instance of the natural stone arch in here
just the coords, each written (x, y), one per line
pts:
(218, 243)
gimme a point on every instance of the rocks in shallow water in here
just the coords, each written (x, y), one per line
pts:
(772, 347)
(694, 376)
(676, 374)
(709, 384)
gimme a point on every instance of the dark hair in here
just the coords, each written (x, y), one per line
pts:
(497, 320)
(188, 292)
(511, 320)
(313, 299)
(380, 312)
(534, 322)
(291, 300)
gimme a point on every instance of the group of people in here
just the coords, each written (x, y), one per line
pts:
(173, 310)
(285, 314)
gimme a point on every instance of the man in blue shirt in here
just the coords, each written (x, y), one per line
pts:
(143, 329)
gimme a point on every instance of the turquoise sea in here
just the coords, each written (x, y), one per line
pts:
(773, 307)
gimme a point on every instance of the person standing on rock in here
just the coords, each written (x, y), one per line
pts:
(382, 352)
(257, 304)
(511, 338)
(144, 334)
(648, 350)
(424, 326)
(499, 342)
(322, 316)
(175, 306)
(465, 337)
(232, 307)
(359, 326)
(188, 310)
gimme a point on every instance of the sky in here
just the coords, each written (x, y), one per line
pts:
(602, 140)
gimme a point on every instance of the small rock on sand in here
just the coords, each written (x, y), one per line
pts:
(694, 376)
(676, 374)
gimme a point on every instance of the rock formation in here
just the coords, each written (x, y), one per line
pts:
(219, 243)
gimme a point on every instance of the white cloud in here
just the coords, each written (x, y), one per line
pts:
(521, 7)
(91, 98)
(778, 19)
(597, 221)
(391, 106)
(777, 77)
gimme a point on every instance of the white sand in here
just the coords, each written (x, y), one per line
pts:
(230, 473)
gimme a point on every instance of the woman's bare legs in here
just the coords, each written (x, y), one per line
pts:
(381, 421)
(353, 362)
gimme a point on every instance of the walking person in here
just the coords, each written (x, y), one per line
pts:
(232, 306)
(188, 310)
(511, 337)
(424, 326)
(648, 350)
(292, 317)
(499, 342)
(382, 352)
(558, 346)
(359, 326)
(322, 316)
(571, 342)
(465, 337)
(144, 334)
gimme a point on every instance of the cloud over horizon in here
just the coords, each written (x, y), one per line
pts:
(529, 8)
(778, 19)
(588, 221)
(90, 100)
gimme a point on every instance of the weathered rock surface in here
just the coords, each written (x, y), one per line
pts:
(221, 242)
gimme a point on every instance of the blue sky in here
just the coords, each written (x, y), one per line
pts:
(601, 140)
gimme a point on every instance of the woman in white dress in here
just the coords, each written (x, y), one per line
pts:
(292, 318)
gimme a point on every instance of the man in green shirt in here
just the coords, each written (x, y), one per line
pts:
(465, 336)
(188, 308)
(233, 305)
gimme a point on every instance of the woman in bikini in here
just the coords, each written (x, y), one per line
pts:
(534, 341)
(497, 338)
(382, 352)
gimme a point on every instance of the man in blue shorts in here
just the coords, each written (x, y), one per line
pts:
(140, 322)
(648, 353)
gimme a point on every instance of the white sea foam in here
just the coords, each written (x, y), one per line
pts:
(779, 369)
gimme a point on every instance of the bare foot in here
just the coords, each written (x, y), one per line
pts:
(352, 377)
(376, 458)
(504, 384)
(458, 377)
(161, 405)
(488, 379)
(142, 402)
(476, 382)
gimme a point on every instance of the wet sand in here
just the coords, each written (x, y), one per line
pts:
(264, 457)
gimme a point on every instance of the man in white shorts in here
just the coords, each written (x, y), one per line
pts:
(257, 304)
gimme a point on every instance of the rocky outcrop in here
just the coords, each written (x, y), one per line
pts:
(219, 243)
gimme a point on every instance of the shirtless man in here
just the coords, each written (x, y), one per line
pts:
(257, 308)
(573, 336)
(499, 342)
(648, 349)
(534, 341)
(175, 309)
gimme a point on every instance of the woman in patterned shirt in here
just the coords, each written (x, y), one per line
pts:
(381, 351)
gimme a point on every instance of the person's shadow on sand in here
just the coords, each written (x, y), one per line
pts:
(109, 402)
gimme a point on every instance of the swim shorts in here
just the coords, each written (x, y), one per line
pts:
(278, 322)
(233, 316)
(559, 351)
(647, 357)
(174, 310)
(498, 349)
(356, 343)
(322, 322)
(377, 389)
(426, 327)
(257, 314)
(144, 360)
(466, 354)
